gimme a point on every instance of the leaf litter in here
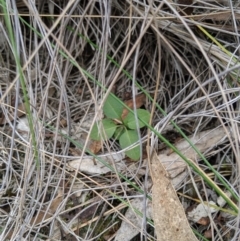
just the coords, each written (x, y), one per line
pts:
(168, 213)
(171, 168)
(176, 171)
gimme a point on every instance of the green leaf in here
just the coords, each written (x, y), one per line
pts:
(113, 107)
(130, 120)
(103, 130)
(118, 132)
(128, 138)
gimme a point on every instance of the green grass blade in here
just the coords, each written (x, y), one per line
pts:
(13, 46)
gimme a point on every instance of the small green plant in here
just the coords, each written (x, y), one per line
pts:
(122, 129)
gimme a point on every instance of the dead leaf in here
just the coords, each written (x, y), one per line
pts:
(23, 127)
(174, 164)
(63, 122)
(139, 99)
(202, 210)
(92, 146)
(88, 212)
(168, 214)
(20, 112)
(208, 234)
(220, 201)
(75, 151)
(90, 165)
(95, 146)
(204, 221)
(133, 224)
(45, 214)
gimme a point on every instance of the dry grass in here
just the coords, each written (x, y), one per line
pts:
(67, 65)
